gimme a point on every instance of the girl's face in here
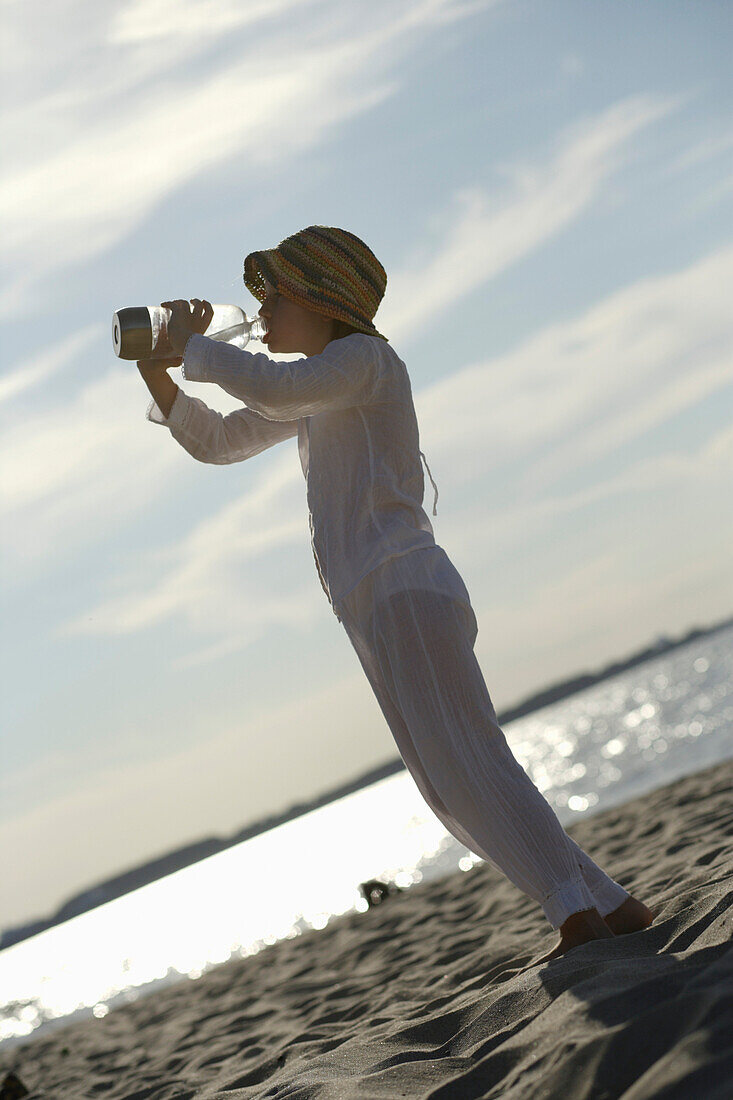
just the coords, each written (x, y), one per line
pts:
(291, 327)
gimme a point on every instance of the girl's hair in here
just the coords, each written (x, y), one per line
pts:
(341, 328)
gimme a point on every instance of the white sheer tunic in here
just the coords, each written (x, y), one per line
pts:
(351, 408)
(401, 600)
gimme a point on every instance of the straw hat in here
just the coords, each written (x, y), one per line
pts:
(324, 269)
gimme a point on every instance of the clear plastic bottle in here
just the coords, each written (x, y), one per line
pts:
(141, 332)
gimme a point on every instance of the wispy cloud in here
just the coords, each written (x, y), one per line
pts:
(566, 396)
(266, 89)
(493, 531)
(489, 233)
(45, 364)
(582, 388)
(712, 146)
(200, 577)
(574, 388)
(642, 559)
(188, 21)
(477, 246)
(76, 474)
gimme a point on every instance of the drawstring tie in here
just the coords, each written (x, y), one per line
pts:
(435, 511)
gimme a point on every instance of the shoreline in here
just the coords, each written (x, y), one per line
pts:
(153, 870)
(431, 994)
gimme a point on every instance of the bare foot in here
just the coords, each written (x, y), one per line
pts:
(578, 928)
(631, 916)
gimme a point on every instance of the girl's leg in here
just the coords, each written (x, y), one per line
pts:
(420, 660)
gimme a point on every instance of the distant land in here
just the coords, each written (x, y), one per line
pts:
(175, 860)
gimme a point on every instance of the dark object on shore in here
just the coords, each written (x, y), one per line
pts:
(12, 1088)
(375, 892)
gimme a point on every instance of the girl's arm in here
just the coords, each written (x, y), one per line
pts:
(162, 387)
(346, 373)
(208, 435)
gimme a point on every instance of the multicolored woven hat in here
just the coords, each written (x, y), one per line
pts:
(324, 269)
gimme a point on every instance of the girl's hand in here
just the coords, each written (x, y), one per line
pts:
(184, 322)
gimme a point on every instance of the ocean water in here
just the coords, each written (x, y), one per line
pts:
(640, 730)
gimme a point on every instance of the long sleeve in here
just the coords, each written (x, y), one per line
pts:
(210, 436)
(346, 373)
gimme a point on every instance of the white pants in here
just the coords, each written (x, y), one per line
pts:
(415, 645)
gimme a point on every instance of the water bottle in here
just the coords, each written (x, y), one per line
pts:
(141, 332)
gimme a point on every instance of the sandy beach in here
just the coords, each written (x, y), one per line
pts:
(433, 994)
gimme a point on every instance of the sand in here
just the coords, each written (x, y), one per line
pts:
(432, 993)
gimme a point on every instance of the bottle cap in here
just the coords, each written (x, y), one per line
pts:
(132, 333)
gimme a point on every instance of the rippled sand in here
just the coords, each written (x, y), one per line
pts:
(431, 994)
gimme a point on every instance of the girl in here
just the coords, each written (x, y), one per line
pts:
(402, 602)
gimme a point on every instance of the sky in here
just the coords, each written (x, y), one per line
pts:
(550, 190)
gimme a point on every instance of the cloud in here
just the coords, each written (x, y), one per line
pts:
(637, 357)
(712, 146)
(78, 473)
(201, 575)
(69, 454)
(486, 235)
(47, 363)
(571, 581)
(54, 452)
(566, 396)
(574, 391)
(143, 21)
(581, 389)
(479, 532)
(476, 248)
(140, 121)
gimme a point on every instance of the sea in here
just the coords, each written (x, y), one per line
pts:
(663, 719)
